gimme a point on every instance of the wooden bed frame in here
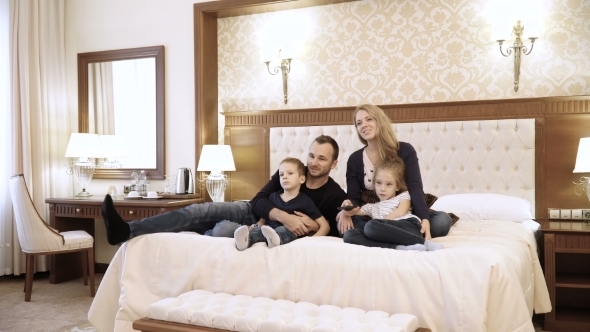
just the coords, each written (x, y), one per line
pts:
(152, 325)
(559, 124)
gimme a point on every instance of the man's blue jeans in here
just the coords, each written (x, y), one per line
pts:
(197, 218)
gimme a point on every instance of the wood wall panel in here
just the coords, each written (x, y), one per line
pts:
(250, 151)
(562, 135)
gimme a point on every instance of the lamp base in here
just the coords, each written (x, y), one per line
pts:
(83, 193)
(216, 184)
(83, 171)
(583, 185)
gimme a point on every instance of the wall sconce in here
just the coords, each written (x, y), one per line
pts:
(517, 48)
(583, 166)
(285, 68)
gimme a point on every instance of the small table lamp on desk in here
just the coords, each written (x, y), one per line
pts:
(216, 158)
(83, 146)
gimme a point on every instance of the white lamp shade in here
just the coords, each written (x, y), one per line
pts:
(112, 146)
(583, 157)
(216, 158)
(83, 145)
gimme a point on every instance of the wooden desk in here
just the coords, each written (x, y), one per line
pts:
(74, 213)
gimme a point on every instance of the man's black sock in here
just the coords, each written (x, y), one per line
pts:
(117, 229)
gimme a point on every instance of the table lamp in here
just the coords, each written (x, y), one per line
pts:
(83, 146)
(216, 158)
(583, 166)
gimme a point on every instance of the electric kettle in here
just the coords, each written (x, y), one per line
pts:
(184, 181)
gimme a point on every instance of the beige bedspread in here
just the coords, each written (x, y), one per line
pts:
(488, 277)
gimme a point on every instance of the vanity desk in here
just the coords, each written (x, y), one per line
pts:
(72, 213)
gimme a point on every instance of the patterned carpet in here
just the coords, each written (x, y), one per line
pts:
(53, 308)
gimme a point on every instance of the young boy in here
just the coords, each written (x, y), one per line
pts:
(291, 175)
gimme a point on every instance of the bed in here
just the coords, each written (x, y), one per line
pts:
(488, 277)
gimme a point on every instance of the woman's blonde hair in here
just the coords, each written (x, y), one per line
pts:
(388, 143)
(397, 168)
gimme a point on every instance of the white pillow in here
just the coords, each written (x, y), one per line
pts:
(485, 207)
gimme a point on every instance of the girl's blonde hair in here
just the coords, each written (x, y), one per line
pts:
(397, 168)
(388, 143)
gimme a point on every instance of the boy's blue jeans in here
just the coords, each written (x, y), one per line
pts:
(256, 235)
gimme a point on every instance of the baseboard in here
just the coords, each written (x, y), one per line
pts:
(100, 267)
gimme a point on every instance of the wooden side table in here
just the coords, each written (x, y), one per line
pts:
(567, 273)
(74, 213)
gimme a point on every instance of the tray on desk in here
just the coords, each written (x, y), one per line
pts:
(185, 196)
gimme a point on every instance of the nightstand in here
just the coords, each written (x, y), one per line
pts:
(567, 273)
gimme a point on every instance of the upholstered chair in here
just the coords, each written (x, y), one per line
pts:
(37, 238)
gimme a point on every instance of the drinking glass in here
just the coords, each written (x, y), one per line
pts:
(171, 184)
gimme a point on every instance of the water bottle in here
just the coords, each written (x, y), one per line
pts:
(142, 183)
(134, 178)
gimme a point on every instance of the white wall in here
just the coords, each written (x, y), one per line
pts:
(115, 24)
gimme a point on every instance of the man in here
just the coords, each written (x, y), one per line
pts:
(319, 186)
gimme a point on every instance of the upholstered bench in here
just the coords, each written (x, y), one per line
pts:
(200, 310)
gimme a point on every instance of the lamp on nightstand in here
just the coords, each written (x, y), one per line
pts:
(216, 159)
(583, 166)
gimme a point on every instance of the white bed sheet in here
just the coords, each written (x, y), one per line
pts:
(488, 277)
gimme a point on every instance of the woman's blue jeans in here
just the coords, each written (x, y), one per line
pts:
(198, 218)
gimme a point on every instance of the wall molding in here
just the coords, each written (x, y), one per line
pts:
(449, 111)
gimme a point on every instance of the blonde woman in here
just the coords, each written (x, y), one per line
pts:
(375, 132)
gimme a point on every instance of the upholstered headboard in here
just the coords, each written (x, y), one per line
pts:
(483, 156)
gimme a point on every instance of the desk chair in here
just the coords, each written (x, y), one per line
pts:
(38, 238)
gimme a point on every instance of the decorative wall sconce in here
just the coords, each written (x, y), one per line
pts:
(285, 68)
(517, 48)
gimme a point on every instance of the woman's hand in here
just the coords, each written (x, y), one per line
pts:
(344, 222)
(426, 229)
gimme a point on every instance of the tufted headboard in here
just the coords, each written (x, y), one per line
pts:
(481, 156)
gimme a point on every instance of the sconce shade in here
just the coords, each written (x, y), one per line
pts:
(84, 145)
(216, 158)
(583, 157)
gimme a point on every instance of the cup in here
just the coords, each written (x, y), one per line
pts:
(152, 194)
(133, 193)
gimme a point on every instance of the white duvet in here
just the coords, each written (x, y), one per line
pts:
(488, 277)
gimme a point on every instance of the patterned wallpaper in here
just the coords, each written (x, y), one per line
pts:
(402, 51)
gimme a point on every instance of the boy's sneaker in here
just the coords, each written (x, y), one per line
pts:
(242, 237)
(272, 238)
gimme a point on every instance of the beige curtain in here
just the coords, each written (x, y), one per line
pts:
(101, 109)
(40, 117)
(6, 243)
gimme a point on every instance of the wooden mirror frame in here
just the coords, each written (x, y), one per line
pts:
(156, 52)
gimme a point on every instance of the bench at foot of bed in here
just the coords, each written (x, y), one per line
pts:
(153, 325)
(203, 311)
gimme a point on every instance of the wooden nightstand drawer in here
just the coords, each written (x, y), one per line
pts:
(81, 211)
(572, 243)
(135, 213)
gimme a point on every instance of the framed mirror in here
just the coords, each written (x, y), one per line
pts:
(121, 92)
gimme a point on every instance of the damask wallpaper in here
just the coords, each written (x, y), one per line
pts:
(402, 51)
